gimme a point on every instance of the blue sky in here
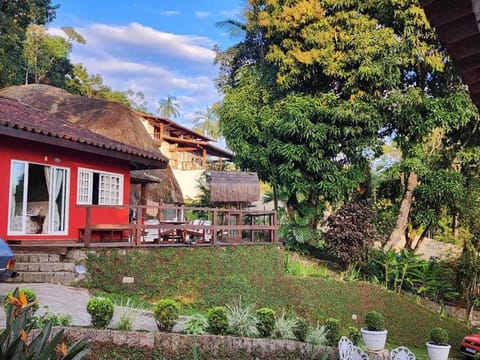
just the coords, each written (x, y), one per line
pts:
(158, 47)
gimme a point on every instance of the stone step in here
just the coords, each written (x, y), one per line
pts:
(44, 267)
(37, 258)
(61, 277)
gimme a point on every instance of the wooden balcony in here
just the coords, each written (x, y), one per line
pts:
(173, 225)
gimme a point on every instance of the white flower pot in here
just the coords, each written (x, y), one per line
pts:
(374, 340)
(438, 352)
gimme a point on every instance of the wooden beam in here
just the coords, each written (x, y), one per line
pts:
(440, 12)
(458, 29)
(183, 149)
(464, 48)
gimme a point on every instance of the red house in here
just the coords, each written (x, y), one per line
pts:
(50, 169)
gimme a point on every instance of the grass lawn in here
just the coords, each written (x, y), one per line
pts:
(201, 278)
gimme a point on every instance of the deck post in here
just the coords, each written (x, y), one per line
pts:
(273, 233)
(88, 226)
(214, 226)
(139, 225)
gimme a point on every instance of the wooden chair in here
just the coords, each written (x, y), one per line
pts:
(401, 353)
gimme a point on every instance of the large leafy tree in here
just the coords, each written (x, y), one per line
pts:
(15, 17)
(324, 81)
(299, 94)
(46, 56)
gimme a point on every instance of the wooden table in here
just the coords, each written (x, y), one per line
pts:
(172, 232)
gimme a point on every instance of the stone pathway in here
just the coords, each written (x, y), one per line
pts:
(72, 301)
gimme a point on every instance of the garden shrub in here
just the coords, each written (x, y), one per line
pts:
(374, 321)
(265, 321)
(317, 335)
(351, 230)
(241, 320)
(333, 331)
(197, 324)
(166, 313)
(101, 310)
(439, 336)
(54, 318)
(301, 329)
(353, 334)
(217, 320)
(284, 326)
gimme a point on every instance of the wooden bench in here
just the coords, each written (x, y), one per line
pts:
(108, 232)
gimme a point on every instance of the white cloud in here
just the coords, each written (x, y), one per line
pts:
(134, 38)
(202, 14)
(169, 12)
(158, 64)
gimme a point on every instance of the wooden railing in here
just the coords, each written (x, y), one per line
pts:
(173, 224)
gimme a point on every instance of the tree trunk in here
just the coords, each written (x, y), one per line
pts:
(397, 237)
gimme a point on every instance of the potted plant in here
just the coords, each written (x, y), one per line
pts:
(438, 347)
(374, 333)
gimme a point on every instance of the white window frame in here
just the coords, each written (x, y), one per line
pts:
(106, 195)
(66, 196)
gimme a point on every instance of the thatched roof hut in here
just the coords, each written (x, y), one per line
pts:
(240, 188)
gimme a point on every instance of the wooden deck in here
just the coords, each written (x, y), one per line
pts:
(170, 226)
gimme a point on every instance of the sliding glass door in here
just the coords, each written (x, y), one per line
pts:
(38, 199)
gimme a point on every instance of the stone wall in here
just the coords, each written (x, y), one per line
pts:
(210, 346)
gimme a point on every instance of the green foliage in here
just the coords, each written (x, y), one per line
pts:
(101, 311)
(332, 327)
(53, 318)
(284, 327)
(125, 323)
(196, 324)
(217, 320)
(265, 321)
(432, 279)
(295, 267)
(439, 336)
(301, 329)
(374, 321)
(43, 345)
(317, 336)
(166, 312)
(354, 334)
(168, 107)
(351, 231)
(241, 320)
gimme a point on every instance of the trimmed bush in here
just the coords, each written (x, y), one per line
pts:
(353, 334)
(217, 320)
(333, 331)
(301, 329)
(166, 313)
(101, 310)
(265, 321)
(374, 321)
(439, 336)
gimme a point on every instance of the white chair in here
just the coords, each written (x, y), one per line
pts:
(358, 354)
(401, 353)
(345, 347)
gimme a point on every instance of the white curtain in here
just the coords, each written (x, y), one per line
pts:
(59, 176)
(45, 226)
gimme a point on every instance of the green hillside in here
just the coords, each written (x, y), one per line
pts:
(204, 277)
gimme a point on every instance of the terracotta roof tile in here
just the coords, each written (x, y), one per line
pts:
(14, 114)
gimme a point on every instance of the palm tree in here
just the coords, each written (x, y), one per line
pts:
(168, 108)
(206, 122)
